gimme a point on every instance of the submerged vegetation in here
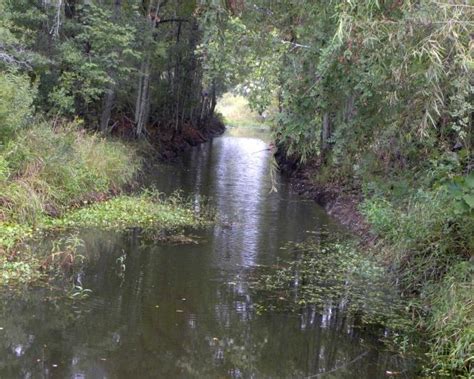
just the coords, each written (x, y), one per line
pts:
(333, 274)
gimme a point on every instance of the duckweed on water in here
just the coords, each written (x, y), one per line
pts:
(332, 275)
(149, 211)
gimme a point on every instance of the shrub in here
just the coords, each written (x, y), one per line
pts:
(16, 99)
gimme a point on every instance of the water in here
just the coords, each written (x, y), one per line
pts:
(186, 311)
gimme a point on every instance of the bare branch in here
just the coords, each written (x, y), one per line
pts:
(294, 44)
(10, 59)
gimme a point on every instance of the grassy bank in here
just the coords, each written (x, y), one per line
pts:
(426, 238)
(64, 178)
(46, 170)
(421, 231)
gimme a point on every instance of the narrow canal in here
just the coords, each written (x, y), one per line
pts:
(185, 311)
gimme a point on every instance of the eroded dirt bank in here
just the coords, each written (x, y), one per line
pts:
(340, 203)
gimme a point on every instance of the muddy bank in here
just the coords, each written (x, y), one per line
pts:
(166, 141)
(339, 202)
(171, 142)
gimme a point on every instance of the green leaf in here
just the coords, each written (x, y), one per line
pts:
(469, 199)
(455, 190)
(470, 180)
(460, 207)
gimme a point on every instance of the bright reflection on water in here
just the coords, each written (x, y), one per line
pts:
(186, 311)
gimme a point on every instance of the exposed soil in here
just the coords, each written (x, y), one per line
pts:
(171, 142)
(166, 140)
(338, 201)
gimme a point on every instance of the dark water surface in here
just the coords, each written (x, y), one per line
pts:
(186, 311)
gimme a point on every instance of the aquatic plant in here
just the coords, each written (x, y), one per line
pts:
(148, 210)
(331, 274)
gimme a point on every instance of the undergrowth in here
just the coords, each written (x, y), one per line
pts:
(45, 170)
(61, 178)
(426, 238)
(451, 323)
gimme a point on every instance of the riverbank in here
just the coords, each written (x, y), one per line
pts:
(170, 143)
(179, 295)
(425, 245)
(65, 178)
(341, 205)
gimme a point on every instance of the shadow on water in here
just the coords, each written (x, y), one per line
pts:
(186, 311)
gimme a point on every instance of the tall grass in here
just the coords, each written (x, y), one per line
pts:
(451, 322)
(44, 170)
(429, 245)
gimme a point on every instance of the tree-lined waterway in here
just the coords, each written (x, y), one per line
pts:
(184, 311)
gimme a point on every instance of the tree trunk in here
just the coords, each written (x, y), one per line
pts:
(325, 135)
(57, 19)
(213, 100)
(110, 93)
(107, 110)
(142, 106)
(349, 109)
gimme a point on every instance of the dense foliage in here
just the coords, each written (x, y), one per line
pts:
(123, 66)
(375, 97)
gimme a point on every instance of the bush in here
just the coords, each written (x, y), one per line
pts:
(16, 99)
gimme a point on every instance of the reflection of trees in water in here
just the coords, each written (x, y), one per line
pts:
(120, 332)
(130, 326)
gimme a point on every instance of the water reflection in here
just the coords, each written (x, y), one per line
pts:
(186, 311)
